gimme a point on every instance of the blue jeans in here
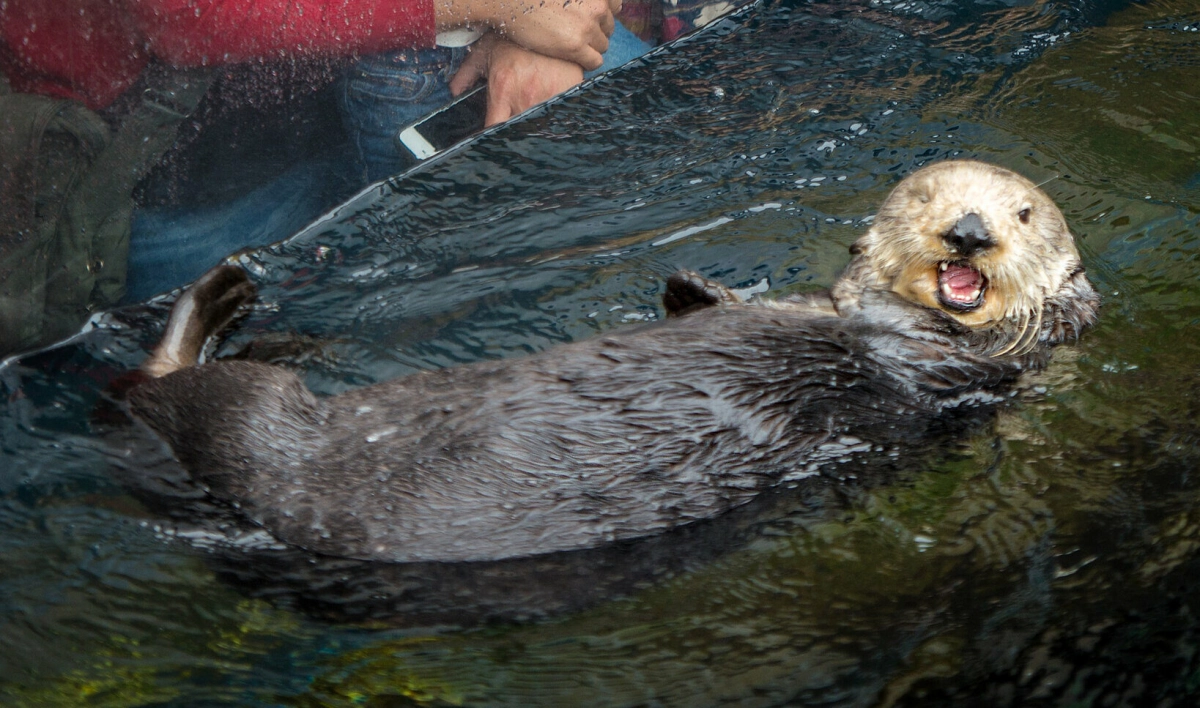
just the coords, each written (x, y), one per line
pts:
(172, 246)
(387, 92)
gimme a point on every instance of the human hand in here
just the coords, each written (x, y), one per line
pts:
(516, 77)
(572, 30)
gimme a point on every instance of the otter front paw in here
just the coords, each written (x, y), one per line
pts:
(218, 294)
(201, 312)
(688, 291)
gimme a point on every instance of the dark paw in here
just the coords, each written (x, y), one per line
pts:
(203, 310)
(218, 294)
(688, 291)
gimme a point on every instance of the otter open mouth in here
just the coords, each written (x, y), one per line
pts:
(960, 287)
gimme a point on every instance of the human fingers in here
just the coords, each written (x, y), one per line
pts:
(473, 68)
(591, 56)
(498, 109)
(519, 79)
(608, 23)
(574, 30)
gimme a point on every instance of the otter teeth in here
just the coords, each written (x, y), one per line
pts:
(950, 294)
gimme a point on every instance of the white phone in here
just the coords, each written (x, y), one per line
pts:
(445, 127)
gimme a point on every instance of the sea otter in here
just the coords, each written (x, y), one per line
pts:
(967, 277)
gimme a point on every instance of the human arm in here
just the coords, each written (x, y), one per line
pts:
(208, 32)
(517, 77)
(572, 30)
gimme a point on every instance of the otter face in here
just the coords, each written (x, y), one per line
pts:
(978, 243)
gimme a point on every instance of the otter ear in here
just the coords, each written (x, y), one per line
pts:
(860, 252)
(848, 288)
(1072, 309)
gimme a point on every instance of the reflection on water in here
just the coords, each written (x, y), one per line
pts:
(1050, 558)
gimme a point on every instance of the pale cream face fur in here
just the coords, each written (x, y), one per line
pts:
(1032, 257)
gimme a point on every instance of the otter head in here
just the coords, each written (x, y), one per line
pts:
(984, 247)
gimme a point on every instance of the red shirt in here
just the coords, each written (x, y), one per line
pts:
(92, 50)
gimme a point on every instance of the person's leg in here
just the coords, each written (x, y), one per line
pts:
(169, 247)
(386, 92)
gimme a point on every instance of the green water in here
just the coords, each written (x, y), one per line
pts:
(1049, 559)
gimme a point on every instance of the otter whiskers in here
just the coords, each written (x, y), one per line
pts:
(1027, 337)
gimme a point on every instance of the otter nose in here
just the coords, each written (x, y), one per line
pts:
(969, 236)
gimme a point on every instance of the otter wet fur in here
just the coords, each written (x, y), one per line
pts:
(968, 277)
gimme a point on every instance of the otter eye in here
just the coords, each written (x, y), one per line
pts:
(1023, 215)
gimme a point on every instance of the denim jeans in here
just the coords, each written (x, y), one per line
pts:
(386, 92)
(171, 246)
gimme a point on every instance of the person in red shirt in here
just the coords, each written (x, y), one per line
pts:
(94, 50)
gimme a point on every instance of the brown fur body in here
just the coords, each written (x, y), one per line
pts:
(637, 432)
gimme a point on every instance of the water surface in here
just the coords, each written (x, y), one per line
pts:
(1048, 559)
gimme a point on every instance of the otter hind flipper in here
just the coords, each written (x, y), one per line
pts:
(201, 311)
(688, 291)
